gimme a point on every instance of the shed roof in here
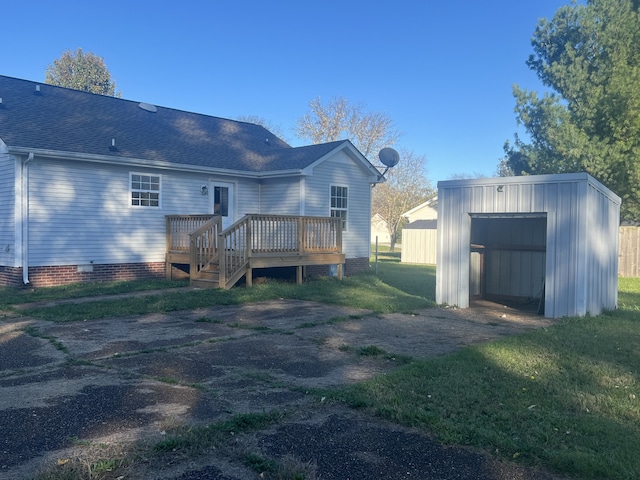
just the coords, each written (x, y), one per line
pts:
(422, 225)
(43, 117)
(533, 180)
(432, 202)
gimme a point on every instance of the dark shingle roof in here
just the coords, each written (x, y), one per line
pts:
(66, 120)
(422, 225)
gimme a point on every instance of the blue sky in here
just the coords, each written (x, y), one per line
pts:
(443, 71)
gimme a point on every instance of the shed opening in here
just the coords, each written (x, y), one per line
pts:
(508, 257)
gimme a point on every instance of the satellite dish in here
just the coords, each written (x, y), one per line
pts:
(389, 157)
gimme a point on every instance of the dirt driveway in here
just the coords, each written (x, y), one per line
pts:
(118, 381)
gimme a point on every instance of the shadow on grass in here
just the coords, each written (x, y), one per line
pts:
(566, 397)
(391, 292)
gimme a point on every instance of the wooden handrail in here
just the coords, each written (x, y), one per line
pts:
(203, 245)
(234, 253)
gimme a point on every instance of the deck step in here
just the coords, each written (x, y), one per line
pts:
(204, 283)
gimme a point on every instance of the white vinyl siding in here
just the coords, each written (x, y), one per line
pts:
(247, 196)
(79, 213)
(281, 196)
(7, 209)
(342, 170)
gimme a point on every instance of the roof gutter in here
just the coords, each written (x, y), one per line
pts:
(25, 219)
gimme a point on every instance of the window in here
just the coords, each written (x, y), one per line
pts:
(221, 201)
(339, 204)
(145, 190)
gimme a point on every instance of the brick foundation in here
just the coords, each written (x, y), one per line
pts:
(65, 274)
(10, 276)
(357, 265)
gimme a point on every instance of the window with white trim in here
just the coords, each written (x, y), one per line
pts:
(339, 204)
(145, 190)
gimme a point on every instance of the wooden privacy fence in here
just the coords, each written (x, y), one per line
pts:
(629, 254)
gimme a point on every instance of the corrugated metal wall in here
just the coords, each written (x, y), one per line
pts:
(580, 261)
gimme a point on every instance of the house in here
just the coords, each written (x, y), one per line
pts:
(547, 239)
(97, 188)
(425, 211)
(380, 230)
(419, 234)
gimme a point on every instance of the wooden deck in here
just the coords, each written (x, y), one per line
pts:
(218, 259)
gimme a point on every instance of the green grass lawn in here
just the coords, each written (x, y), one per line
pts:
(566, 398)
(395, 289)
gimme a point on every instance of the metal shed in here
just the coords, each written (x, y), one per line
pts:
(550, 239)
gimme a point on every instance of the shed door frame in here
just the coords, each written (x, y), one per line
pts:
(478, 280)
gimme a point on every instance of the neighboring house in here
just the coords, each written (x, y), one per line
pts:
(425, 211)
(380, 230)
(419, 239)
(87, 182)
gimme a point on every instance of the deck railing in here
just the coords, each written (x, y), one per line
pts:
(252, 236)
(275, 235)
(179, 227)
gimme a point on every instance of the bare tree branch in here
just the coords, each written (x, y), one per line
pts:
(338, 119)
(406, 187)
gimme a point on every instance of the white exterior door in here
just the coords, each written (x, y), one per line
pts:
(222, 201)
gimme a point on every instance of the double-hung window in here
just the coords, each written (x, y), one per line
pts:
(339, 204)
(145, 190)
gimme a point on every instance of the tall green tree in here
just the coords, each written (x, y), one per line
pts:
(588, 55)
(81, 71)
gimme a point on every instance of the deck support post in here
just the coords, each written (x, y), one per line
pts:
(167, 267)
(249, 277)
(299, 274)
